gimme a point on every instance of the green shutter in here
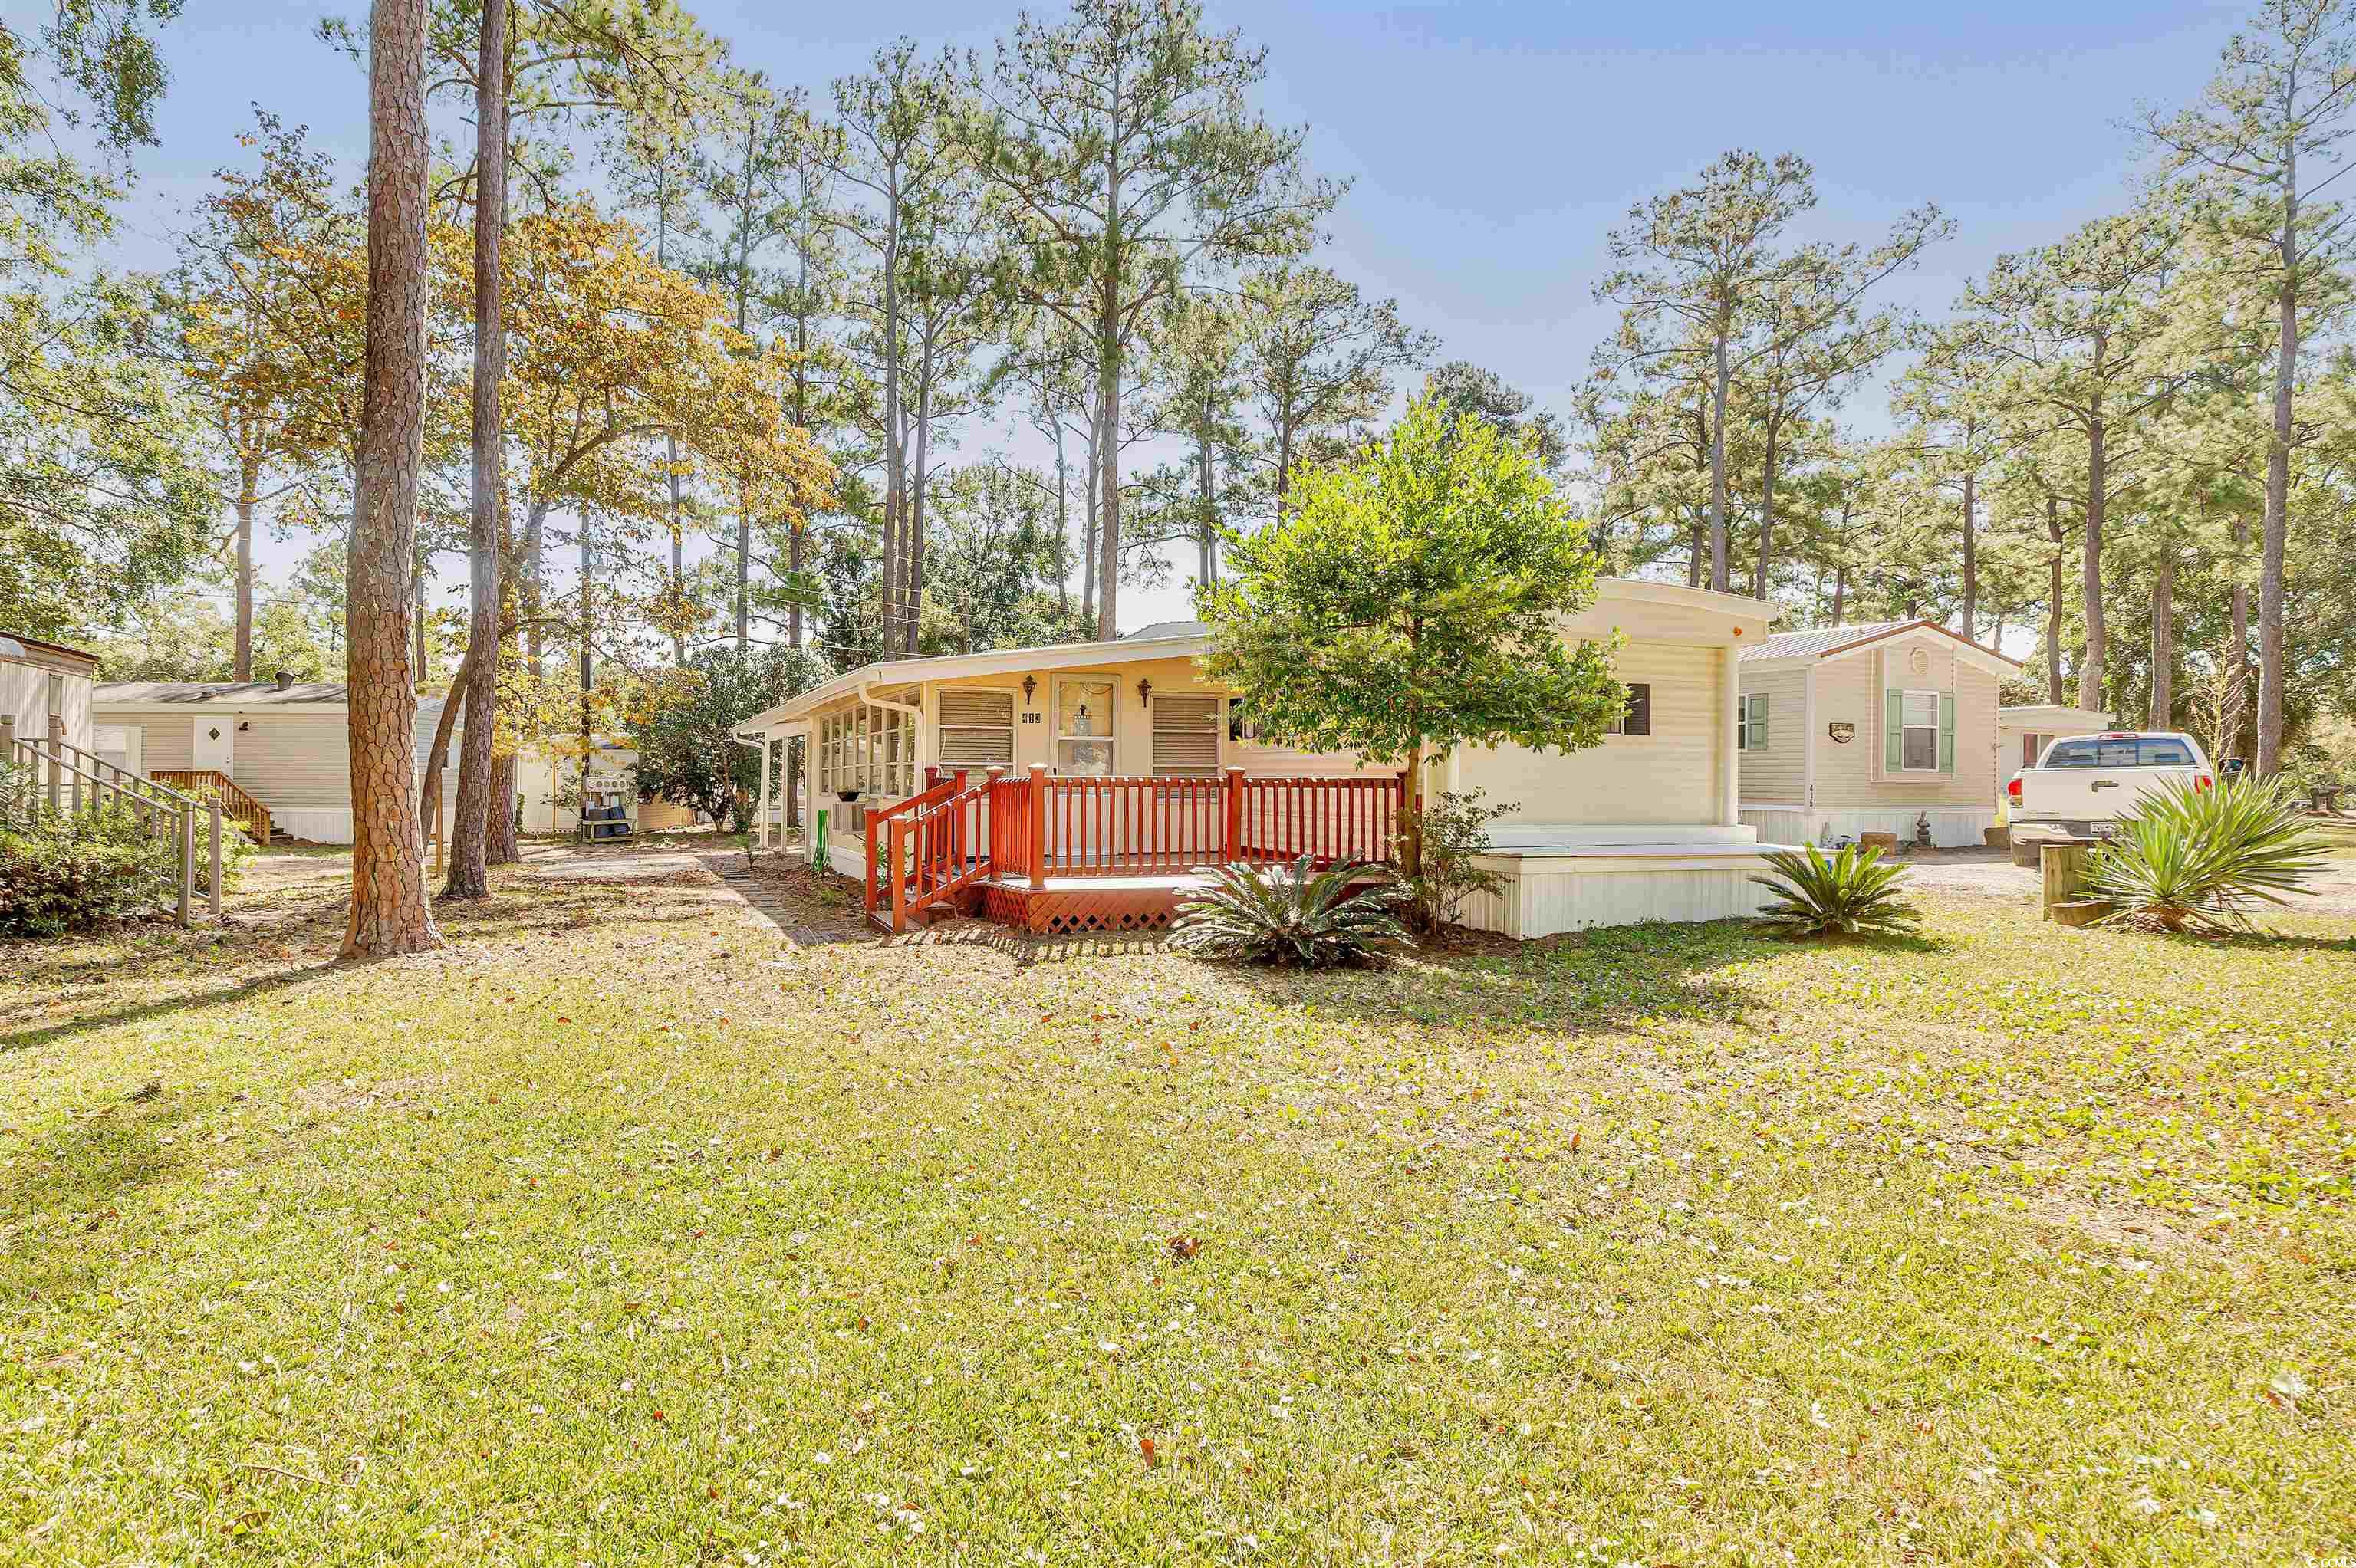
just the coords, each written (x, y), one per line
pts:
(1759, 722)
(1893, 731)
(1946, 731)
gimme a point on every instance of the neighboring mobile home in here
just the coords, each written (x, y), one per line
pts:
(1870, 729)
(1118, 768)
(282, 745)
(2024, 729)
(40, 681)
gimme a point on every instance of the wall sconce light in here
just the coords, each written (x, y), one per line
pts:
(1030, 685)
(1145, 692)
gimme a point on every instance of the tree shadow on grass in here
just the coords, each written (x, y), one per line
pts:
(1607, 980)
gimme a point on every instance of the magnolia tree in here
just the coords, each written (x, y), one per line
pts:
(1410, 602)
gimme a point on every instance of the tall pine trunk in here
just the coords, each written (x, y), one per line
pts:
(2271, 589)
(2053, 605)
(2163, 641)
(1719, 577)
(388, 910)
(249, 480)
(2090, 673)
(469, 834)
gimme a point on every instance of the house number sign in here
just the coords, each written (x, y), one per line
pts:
(1842, 732)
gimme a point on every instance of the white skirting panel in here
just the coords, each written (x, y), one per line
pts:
(1546, 894)
(318, 824)
(1951, 827)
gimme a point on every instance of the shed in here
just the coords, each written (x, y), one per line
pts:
(40, 681)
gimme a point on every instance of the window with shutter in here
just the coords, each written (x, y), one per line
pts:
(1636, 718)
(1750, 724)
(977, 729)
(1185, 737)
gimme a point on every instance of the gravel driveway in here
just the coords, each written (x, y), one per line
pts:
(1992, 873)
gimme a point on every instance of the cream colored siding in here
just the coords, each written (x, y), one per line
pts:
(167, 741)
(294, 762)
(28, 690)
(1669, 775)
(1775, 776)
(1851, 689)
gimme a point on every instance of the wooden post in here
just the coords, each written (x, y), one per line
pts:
(187, 858)
(217, 860)
(1231, 846)
(899, 846)
(1038, 825)
(2064, 866)
(58, 761)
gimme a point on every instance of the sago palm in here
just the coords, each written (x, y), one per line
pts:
(2204, 856)
(1291, 914)
(1851, 891)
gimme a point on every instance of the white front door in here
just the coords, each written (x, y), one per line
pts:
(216, 744)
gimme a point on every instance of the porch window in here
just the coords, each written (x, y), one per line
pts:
(1185, 737)
(57, 694)
(1084, 715)
(977, 729)
(1636, 718)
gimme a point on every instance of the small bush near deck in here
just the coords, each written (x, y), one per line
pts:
(1455, 831)
(1851, 893)
(2191, 856)
(1292, 915)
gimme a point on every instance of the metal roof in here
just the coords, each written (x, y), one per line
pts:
(239, 693)
(1825, 639)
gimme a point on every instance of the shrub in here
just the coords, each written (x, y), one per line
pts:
(66, 872)
(1851, 893)
(2191, 856)
(1455, 830)
(1291, 914)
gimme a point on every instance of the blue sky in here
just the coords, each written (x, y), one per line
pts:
(1490, 145)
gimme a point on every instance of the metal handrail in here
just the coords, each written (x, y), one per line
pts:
(153, 800)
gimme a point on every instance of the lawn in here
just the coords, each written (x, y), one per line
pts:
(625, 1231)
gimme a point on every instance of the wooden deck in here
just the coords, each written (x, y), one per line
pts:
(1062, 855)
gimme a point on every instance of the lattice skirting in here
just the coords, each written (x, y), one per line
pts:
(1067, 912)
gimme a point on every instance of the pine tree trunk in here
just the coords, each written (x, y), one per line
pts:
(2163, 641)
(249, 480)
(2053, 605)
(388, 911)
(2090, 674)
(916, 486)
(2273, 545)
(500, 846)
(469, 875)
(2238, 645)
(1766, 515)
(1971, 552)
(1718, 575)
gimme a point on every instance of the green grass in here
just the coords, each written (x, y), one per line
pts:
(622, 1232)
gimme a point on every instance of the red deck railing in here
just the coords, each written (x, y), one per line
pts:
(926, 850)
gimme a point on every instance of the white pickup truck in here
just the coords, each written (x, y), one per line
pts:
(2085, 783)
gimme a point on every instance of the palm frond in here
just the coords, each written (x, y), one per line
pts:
(2192, 856)
(1291, 914)
(1851, 891)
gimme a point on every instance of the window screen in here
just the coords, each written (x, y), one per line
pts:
(56, 693)
(977, 729)
(1921, 718)
(1186, 736)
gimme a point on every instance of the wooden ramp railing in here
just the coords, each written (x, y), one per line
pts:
(242, 808)
(1160, 826)
(68, 778)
